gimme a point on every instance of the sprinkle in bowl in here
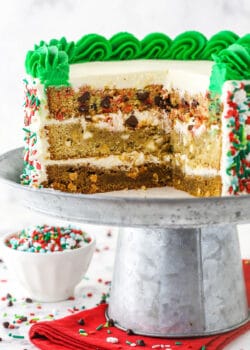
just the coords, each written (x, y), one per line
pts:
(48, 261)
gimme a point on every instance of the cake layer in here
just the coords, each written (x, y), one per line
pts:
(200, 151)
(84, 178)
(72, 140)
(197, 185)
(66, 102)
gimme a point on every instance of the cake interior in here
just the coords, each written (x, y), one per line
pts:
(132, 124)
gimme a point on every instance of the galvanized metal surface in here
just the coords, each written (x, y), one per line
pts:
(178, 282)
(162, 207)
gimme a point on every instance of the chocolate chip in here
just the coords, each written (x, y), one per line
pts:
(194, 103)
(105, 102)
(159, 101)
(84, 97)
(111, 322)
(8, 296)
(6, 324)
(1, 261)
(168, 101)
(29, 300)
(94, 106)
(132, 121)
(125, 98)
(1, 339)
(140, 342)
(10, 303)
(184, 103)
(190, 127)
(81, 322)
(142, 95)
(23, 318)
(129, 332)
(83, 109)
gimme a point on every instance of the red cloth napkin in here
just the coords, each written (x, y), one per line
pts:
(63, 334)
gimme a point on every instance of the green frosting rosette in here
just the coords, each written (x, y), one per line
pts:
(62, 45)
(187, 46)
(232, 63)
(244, 40)
(217, 43)
(125, 46)
(92, 47)
(155, 46)
(49, 64)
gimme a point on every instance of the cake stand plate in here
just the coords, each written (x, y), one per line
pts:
(178, 267)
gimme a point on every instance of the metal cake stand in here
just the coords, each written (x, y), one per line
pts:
(178, 267)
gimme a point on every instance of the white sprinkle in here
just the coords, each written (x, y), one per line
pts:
(112, 340)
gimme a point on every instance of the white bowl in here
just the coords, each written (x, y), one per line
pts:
(48, 277)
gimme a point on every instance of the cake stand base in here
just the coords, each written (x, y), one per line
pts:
(178, 282)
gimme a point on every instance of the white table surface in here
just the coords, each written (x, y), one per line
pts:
(14, 217)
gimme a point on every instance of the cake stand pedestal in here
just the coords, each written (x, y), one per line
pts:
(178, 282)
(178, 266)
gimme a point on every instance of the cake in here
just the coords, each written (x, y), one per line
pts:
(104, 115)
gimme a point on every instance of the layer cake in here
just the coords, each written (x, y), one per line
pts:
(104, 115)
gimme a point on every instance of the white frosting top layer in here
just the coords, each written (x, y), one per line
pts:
(190, 76)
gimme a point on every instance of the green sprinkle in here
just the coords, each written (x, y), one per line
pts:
(128, 342)
(203, 347)
(18, 336)
(99, 327)
(84, 334)
(82, 330)
(178, 343)
(109, 331)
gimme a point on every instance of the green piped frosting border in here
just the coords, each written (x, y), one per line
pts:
(50, 61)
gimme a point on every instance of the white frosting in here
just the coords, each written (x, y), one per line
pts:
(239, 97)
(183, 162)
(200, 171)
(186, 76)
(38, 151)
(126, 159)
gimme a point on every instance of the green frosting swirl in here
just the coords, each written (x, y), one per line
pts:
(232, 63)
(218, 42)
(50, 61)
(244, 40)
(155, 46)
(187, 46)
(62, 45)
(48, 64)
(124, 46)
(92, 47)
